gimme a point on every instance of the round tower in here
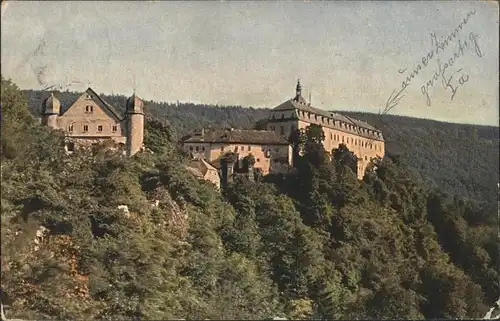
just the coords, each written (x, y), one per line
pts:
(50, 111)
(135, 124)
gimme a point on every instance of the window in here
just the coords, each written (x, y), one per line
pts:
(342, 139)
(258, 160)
(115, 128)
(191, 148)
(236, 149)
(366, 158)
(222, 148)
(203, 148)
(197, 148)
(70, 128)
(85, 128)
(70, 147)
(331, 136)
(87, 96)
(282, 130)
(282, 116)
(99, 128)
(89, 109)
(249, 148)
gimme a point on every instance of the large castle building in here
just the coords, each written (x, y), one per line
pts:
(90, 120)
(364, 140)
(272, 153)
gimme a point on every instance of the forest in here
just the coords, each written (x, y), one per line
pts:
(403, 243)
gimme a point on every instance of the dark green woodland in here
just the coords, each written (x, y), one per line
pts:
(416, 238)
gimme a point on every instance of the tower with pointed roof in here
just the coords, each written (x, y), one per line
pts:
(50, 111)
(135, 124)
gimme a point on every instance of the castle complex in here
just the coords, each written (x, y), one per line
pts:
(271, 148)
(90, 120)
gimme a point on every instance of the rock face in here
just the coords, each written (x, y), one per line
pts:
(494, 312)
(175, 215)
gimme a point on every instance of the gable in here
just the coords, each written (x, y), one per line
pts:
(91, 105)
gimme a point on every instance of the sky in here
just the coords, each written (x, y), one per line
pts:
(348, 55)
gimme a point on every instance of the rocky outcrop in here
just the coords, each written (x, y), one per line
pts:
(175, 216)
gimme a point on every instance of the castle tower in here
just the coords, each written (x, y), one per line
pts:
(51, 108)
(135, 124)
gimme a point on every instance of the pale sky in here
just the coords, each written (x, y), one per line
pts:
(351, 55)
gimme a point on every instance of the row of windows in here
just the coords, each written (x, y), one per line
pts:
(339, 138)
(197, 148)
(338, 123)
(236, 148)
(85, 128)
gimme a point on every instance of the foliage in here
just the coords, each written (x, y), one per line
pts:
(314, 243)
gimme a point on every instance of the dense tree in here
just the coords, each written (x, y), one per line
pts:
(98, 235)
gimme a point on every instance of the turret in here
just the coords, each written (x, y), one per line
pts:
(135, 124)
(51, 108)
(298, 89)
(298, 93)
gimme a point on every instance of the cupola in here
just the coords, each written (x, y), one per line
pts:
(135, 105)
(51, 105)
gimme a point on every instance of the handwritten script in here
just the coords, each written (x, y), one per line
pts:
(452, 77)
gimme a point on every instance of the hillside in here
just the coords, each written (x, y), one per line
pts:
(460, 159)
(315, 243)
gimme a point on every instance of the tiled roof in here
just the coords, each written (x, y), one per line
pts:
(200, 165)
(101, 102)
(244, 136)
(299, 103)
(303, 106)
